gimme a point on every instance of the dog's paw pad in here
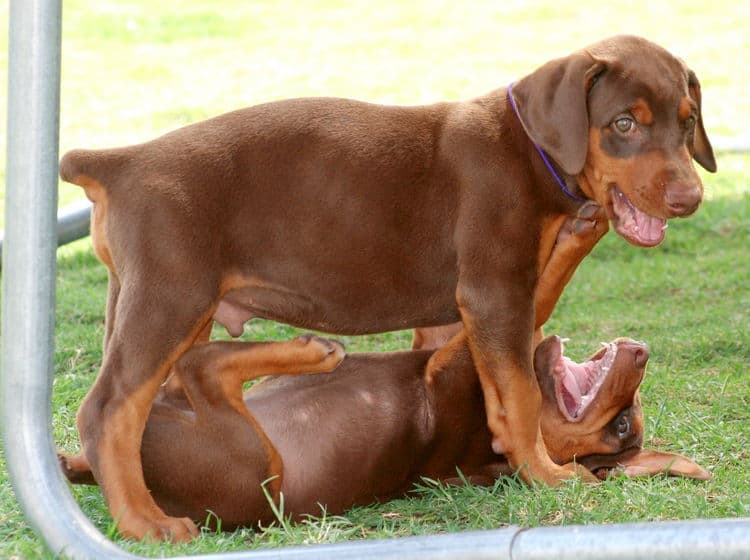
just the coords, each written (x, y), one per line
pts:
(582, 227)
(325, 350)
(589, 221)
(589, 211)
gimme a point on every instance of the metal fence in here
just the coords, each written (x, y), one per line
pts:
(32, 235)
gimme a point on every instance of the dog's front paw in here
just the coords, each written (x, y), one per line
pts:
(587, 226)
(159, 528)
(582, 472)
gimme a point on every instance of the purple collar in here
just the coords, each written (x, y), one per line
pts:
(545, 159)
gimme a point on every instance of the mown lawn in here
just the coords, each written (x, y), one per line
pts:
(134, 69)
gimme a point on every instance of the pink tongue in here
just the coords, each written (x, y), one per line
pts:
(637, 224)
(572, 388)
(650, 229)
(582, 377)
(571, 395)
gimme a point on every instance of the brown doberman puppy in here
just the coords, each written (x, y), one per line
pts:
(372, 428)
(349, 217)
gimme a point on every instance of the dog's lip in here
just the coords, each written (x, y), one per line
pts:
(634, 225)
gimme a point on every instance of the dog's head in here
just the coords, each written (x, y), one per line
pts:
(591, 412)
(623, 116)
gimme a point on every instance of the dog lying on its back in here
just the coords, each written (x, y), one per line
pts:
(347, 441)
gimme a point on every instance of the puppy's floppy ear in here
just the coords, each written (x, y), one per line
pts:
(553, 108)
(702, 150)
(648, 462)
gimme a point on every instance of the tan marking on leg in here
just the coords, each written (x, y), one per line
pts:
(118, 450)
(569, 250)
(215, 373)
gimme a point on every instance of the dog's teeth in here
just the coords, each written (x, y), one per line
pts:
(665, 226)
(637, 228)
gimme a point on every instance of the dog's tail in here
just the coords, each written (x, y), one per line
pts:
(92, 169)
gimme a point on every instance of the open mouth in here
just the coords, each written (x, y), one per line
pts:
(634, 225)
(576, 385)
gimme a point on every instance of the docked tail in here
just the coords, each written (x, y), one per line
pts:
(93, 168)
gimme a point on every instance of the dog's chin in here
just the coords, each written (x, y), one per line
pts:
(632, 224)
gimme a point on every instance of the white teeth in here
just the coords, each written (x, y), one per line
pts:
(637, 228)
(609, 358)
(665, 226)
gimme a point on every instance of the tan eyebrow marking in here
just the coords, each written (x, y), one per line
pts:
(642, 112)
(685, 108)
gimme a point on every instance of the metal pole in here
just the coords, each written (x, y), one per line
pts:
(468, 545)
(73, 223)
(718, 539)
(29, 282)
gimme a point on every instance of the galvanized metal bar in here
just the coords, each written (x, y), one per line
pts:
(719, 539)
(29, 282)
(469, 545)
(73, 222)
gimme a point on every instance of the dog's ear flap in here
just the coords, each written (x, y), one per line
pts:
(553, 107)
(702, 150)
(648, 462)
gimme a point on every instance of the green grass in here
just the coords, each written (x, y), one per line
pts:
(134, 69)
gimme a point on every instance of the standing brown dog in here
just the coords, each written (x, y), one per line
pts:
(349, 217)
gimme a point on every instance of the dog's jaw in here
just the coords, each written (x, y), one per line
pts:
(632, 224)
(577, 385)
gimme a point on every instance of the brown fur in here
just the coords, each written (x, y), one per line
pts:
(350, 217)
(348, 441)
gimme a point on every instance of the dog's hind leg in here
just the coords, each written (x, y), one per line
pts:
(148, 329)
(212, 377)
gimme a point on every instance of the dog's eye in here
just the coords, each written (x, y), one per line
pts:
(623, 426)
(689, 123)
(624, 124)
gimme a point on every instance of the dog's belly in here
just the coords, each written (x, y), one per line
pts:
(338, 308)
(343, 438)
